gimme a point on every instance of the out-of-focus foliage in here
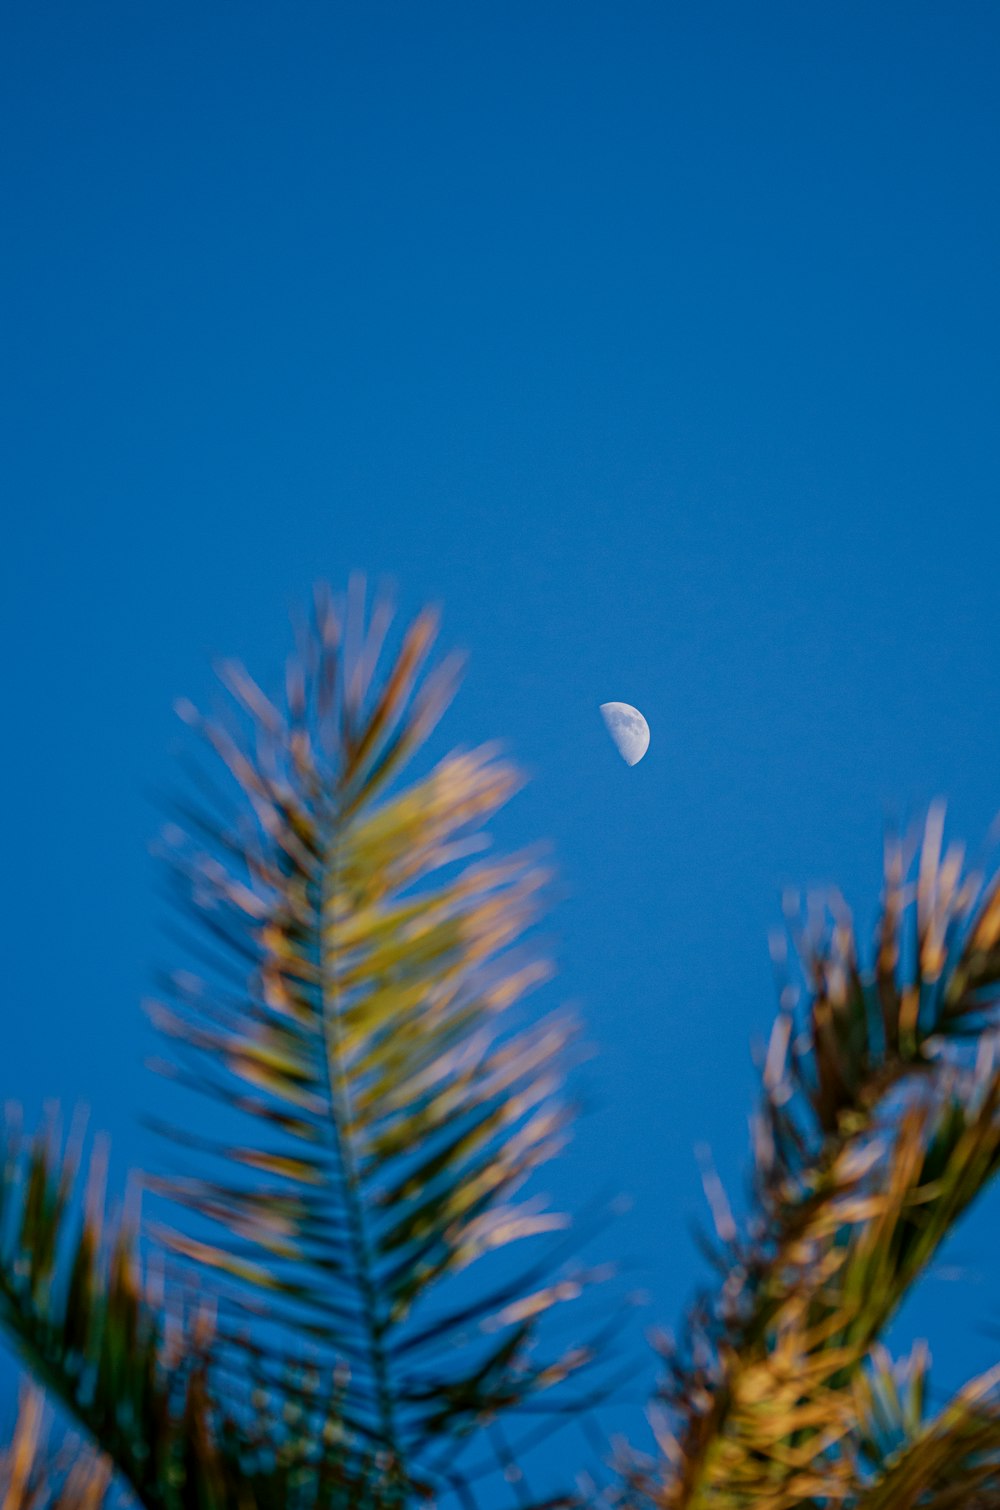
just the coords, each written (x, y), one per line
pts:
(71, 1295)
(315, 1321)
(134, 1367)
(354, 979)
(350, 993)
(878, 1126)
(74, 1478)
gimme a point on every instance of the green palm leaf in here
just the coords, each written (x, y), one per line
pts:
(358, 975)
(131, 1364)
(875, 1133)
(71, 1297)
(944, 1462)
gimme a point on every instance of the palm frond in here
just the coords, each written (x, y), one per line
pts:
(73, 1299)
(34, 1477)
(950, 1461)
(874, 1134)
(355, 976)
(129, 1364)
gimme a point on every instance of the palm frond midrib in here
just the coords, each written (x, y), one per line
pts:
(322, 898)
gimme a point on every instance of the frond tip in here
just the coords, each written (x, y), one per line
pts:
(358, 974)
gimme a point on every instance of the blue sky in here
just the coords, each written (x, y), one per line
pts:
(658, 342)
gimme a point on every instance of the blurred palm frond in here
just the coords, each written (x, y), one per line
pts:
(356, 966)
(943, 1462)
(72, 1296)
(132, 1361)
(32, 1477)
(879, 1125)
(130, 1365)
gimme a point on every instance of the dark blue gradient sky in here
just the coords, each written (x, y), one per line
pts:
(659, 342)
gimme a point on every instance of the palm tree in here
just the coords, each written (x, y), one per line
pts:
(315, 1315)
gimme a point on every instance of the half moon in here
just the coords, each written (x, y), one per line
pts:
(628, 729)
